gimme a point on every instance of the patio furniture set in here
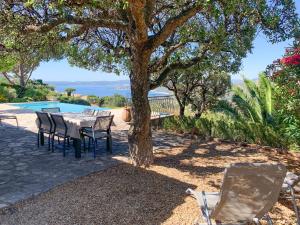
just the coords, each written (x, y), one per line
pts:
(90, 124)
(248, 193)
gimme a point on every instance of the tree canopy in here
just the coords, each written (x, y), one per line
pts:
(148, 39)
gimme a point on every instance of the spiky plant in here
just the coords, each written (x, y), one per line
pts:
(251, 111)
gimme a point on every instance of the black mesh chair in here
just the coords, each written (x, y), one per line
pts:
(45, 126)
(102, 113)
(60, 131)
(51, 110)
(100, 129)
(89, 112)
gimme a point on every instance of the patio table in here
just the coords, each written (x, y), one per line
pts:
(74, 122)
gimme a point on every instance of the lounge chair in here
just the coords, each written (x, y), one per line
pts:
(45, 126)
(7, 117)
(248, 193)
(102, 113)
(289, 189)
(88, 112)
(51, 110)
(100, 129)
(60, 131)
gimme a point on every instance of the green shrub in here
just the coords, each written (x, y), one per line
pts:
(7, 93)
(93, 99)
(179, 124)
(113, 101)
(73, 100)
(171, 124)
(36, 94)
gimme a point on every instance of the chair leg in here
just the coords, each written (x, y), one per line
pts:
(89, 144)
(205, 211)
(294, 204)
(84, 145)
(17, 122)
(38, 139)
(64, 149)
(94, 140)
(68, 139)
(52, 147)
(49, 142)
(109, 144)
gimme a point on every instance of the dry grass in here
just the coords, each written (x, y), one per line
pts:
(128, 195)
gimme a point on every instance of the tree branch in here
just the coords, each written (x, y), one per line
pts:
(79, 21)
(137, 8)
(177, 65)
(164, 59)
(171, 25)
(5, 74)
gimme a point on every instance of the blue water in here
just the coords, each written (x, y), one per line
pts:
(102, 88)
(64, 107)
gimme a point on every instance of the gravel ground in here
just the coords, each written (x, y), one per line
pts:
(127, 195)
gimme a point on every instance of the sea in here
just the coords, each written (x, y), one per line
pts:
(103, 88)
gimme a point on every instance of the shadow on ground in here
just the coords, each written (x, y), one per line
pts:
(118, 195)
(186, 160)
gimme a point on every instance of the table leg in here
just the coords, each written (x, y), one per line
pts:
(42, 138)
(77, 146)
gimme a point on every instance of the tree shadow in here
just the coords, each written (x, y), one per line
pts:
(16, 111)
(118, 195)
(186, 160)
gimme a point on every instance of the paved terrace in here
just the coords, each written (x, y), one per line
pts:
(26, 170)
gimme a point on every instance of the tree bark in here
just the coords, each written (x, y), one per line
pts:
(22, 77)
(139, 135)
(181, 110)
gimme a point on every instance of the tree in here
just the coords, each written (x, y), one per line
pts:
(212, 86)
(201, 85)
(22, 70)
(142, 37)
(69, 91)
(20, 56)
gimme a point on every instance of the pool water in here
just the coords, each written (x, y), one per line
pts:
(64, 107)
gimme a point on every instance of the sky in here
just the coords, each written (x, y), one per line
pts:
(263, 54)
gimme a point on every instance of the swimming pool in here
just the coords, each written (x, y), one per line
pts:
(64, 107)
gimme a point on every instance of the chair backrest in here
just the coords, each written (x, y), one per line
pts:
(249, 191)
(89, 112)
(51, 110)
(59, 123)
(44, 121)
(103, 123)
(102, 113)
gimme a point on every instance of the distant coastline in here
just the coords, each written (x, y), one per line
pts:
(103, 88)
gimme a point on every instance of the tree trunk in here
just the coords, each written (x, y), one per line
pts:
(180, 103)
(139, 135)
(22, 81)
(21, 76)
(181, 110)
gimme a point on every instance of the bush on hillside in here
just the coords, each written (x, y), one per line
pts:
(113, 101)
(73, 100)
(251, 116)
(93, 99)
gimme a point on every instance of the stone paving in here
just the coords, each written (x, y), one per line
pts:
(26, 170)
